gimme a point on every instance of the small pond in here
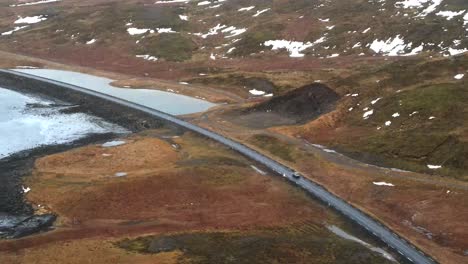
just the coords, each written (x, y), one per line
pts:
(171, 103)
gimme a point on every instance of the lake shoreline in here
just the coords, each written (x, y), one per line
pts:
(17, 217)
(15, 209)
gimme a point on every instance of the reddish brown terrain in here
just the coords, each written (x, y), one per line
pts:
(196, 186)
(387, 117)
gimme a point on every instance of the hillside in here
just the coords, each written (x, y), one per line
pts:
(237, 28)
(368, 98)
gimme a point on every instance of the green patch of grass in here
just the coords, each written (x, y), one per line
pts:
(172, 47)
(446, 101)
(252, 41)
(274, 146)
(159, 17)
(287, 245)
(222, 176)
(412, 141)
(245, 81)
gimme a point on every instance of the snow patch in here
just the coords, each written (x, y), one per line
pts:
(449, 15)
(25, 189)
(147, 57)
(373, 102)
(367, 114)
(246, 8)
(293, 47)
(256, 92)
(13, 30)
(30, 20)
(261, 12)
(113, 143)
(459, 76)
(172, 1)
(165, 30)
(35, 3)
(391, 47)
(383, 184)
(137, 31)
(233, 31)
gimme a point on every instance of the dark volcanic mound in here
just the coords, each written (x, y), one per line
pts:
(295, 107)
(303, 104)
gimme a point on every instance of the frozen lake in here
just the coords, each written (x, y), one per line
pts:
(171, 103)
(27, 122)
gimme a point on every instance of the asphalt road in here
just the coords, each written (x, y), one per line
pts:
(400, 245)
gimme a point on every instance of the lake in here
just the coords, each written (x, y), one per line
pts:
(28, 122)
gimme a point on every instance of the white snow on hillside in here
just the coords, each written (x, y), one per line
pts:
(428, 5)
(222, 29)
(35, 3)
(412, 3)
(450, 14)
(366, 30)
(367, 114)
(13, 30)
(454, 52)
(383, 184)
(256, 92)
(113, 143)
(172, 1)
(147, 57)
(91, 42)
(30, 20)
(394, 47)
(376, 100)
(165, 30)
(431, 8)
(137, 31)
(234, 31)
(261, 12)
(246, 8)
(390, 46)
(293, 47)
(459, 76)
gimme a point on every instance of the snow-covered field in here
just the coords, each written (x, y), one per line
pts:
(27, 122)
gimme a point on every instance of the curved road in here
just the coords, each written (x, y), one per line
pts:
(406, 249)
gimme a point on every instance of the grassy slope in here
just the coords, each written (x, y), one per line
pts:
(286, 19)
(412, 141)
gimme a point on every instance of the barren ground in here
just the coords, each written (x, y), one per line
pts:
(173, 184)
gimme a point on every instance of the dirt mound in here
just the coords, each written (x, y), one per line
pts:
(302, 104)
(298, 106)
